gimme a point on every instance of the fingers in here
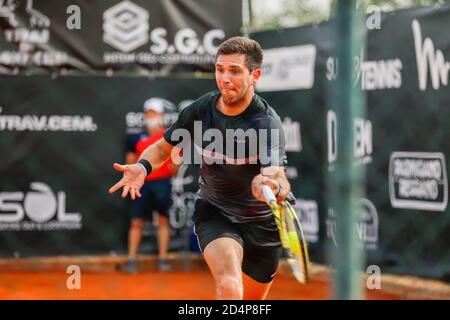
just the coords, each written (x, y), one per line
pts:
(125, 191)
(283, 193)
(127, 187)
(256, 192)
(256, 187)
(273, 184)
(258, 182)
(285, 188)
(119, 167)
(133, 193)
(117, 186)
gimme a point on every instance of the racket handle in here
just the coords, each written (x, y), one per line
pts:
(268, 194)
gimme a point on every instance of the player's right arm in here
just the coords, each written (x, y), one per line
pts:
(134, 174)
(157, 153)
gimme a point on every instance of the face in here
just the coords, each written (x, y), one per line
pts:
(234, 80)
(153, 120)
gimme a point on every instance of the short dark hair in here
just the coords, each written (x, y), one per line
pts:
(241, 45)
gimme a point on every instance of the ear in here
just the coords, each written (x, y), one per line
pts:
(255, 75)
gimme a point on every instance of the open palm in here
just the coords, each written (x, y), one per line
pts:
(132, 180)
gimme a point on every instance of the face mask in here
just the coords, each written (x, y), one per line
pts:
(152, 123)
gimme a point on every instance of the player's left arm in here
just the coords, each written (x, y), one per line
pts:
(273, 161)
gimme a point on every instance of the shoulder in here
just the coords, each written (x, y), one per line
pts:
(192, 113)
(265, 116)
(200, 105)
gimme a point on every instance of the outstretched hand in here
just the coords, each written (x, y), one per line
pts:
(132, 181)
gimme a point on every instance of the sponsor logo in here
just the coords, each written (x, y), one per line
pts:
(135, 121)
(288, 68)
(362, 140)
(7, 8)
(37, 18)
(183, 201)
(292, 134)
(372, 75)
(28, 38)
(366, 226)
(331, 136)
(308, 215)
(418, 180)
(362, 143)
(125, 26)
(430, 61)
(39, 23)
(47, 123)
(378, 75)
(37, 209)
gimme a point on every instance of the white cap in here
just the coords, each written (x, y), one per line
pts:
(158, 105)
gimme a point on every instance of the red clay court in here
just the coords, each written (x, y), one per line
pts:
(43, 279)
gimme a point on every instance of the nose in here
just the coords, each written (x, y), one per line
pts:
(225, 78)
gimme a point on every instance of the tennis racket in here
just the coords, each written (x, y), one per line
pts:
(291, 235)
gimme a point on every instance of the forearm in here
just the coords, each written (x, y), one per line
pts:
(156, 154)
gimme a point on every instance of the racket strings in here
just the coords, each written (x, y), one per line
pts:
(292, 239)
(298, 251)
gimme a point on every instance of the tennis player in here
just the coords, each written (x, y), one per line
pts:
(235, 228)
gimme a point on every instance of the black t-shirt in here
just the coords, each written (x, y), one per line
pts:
(250, 140)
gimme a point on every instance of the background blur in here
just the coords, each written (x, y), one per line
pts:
(75, 74)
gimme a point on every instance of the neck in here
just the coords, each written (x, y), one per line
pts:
(235, 108)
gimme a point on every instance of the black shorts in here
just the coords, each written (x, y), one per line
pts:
(260, 240)
(156, 196)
